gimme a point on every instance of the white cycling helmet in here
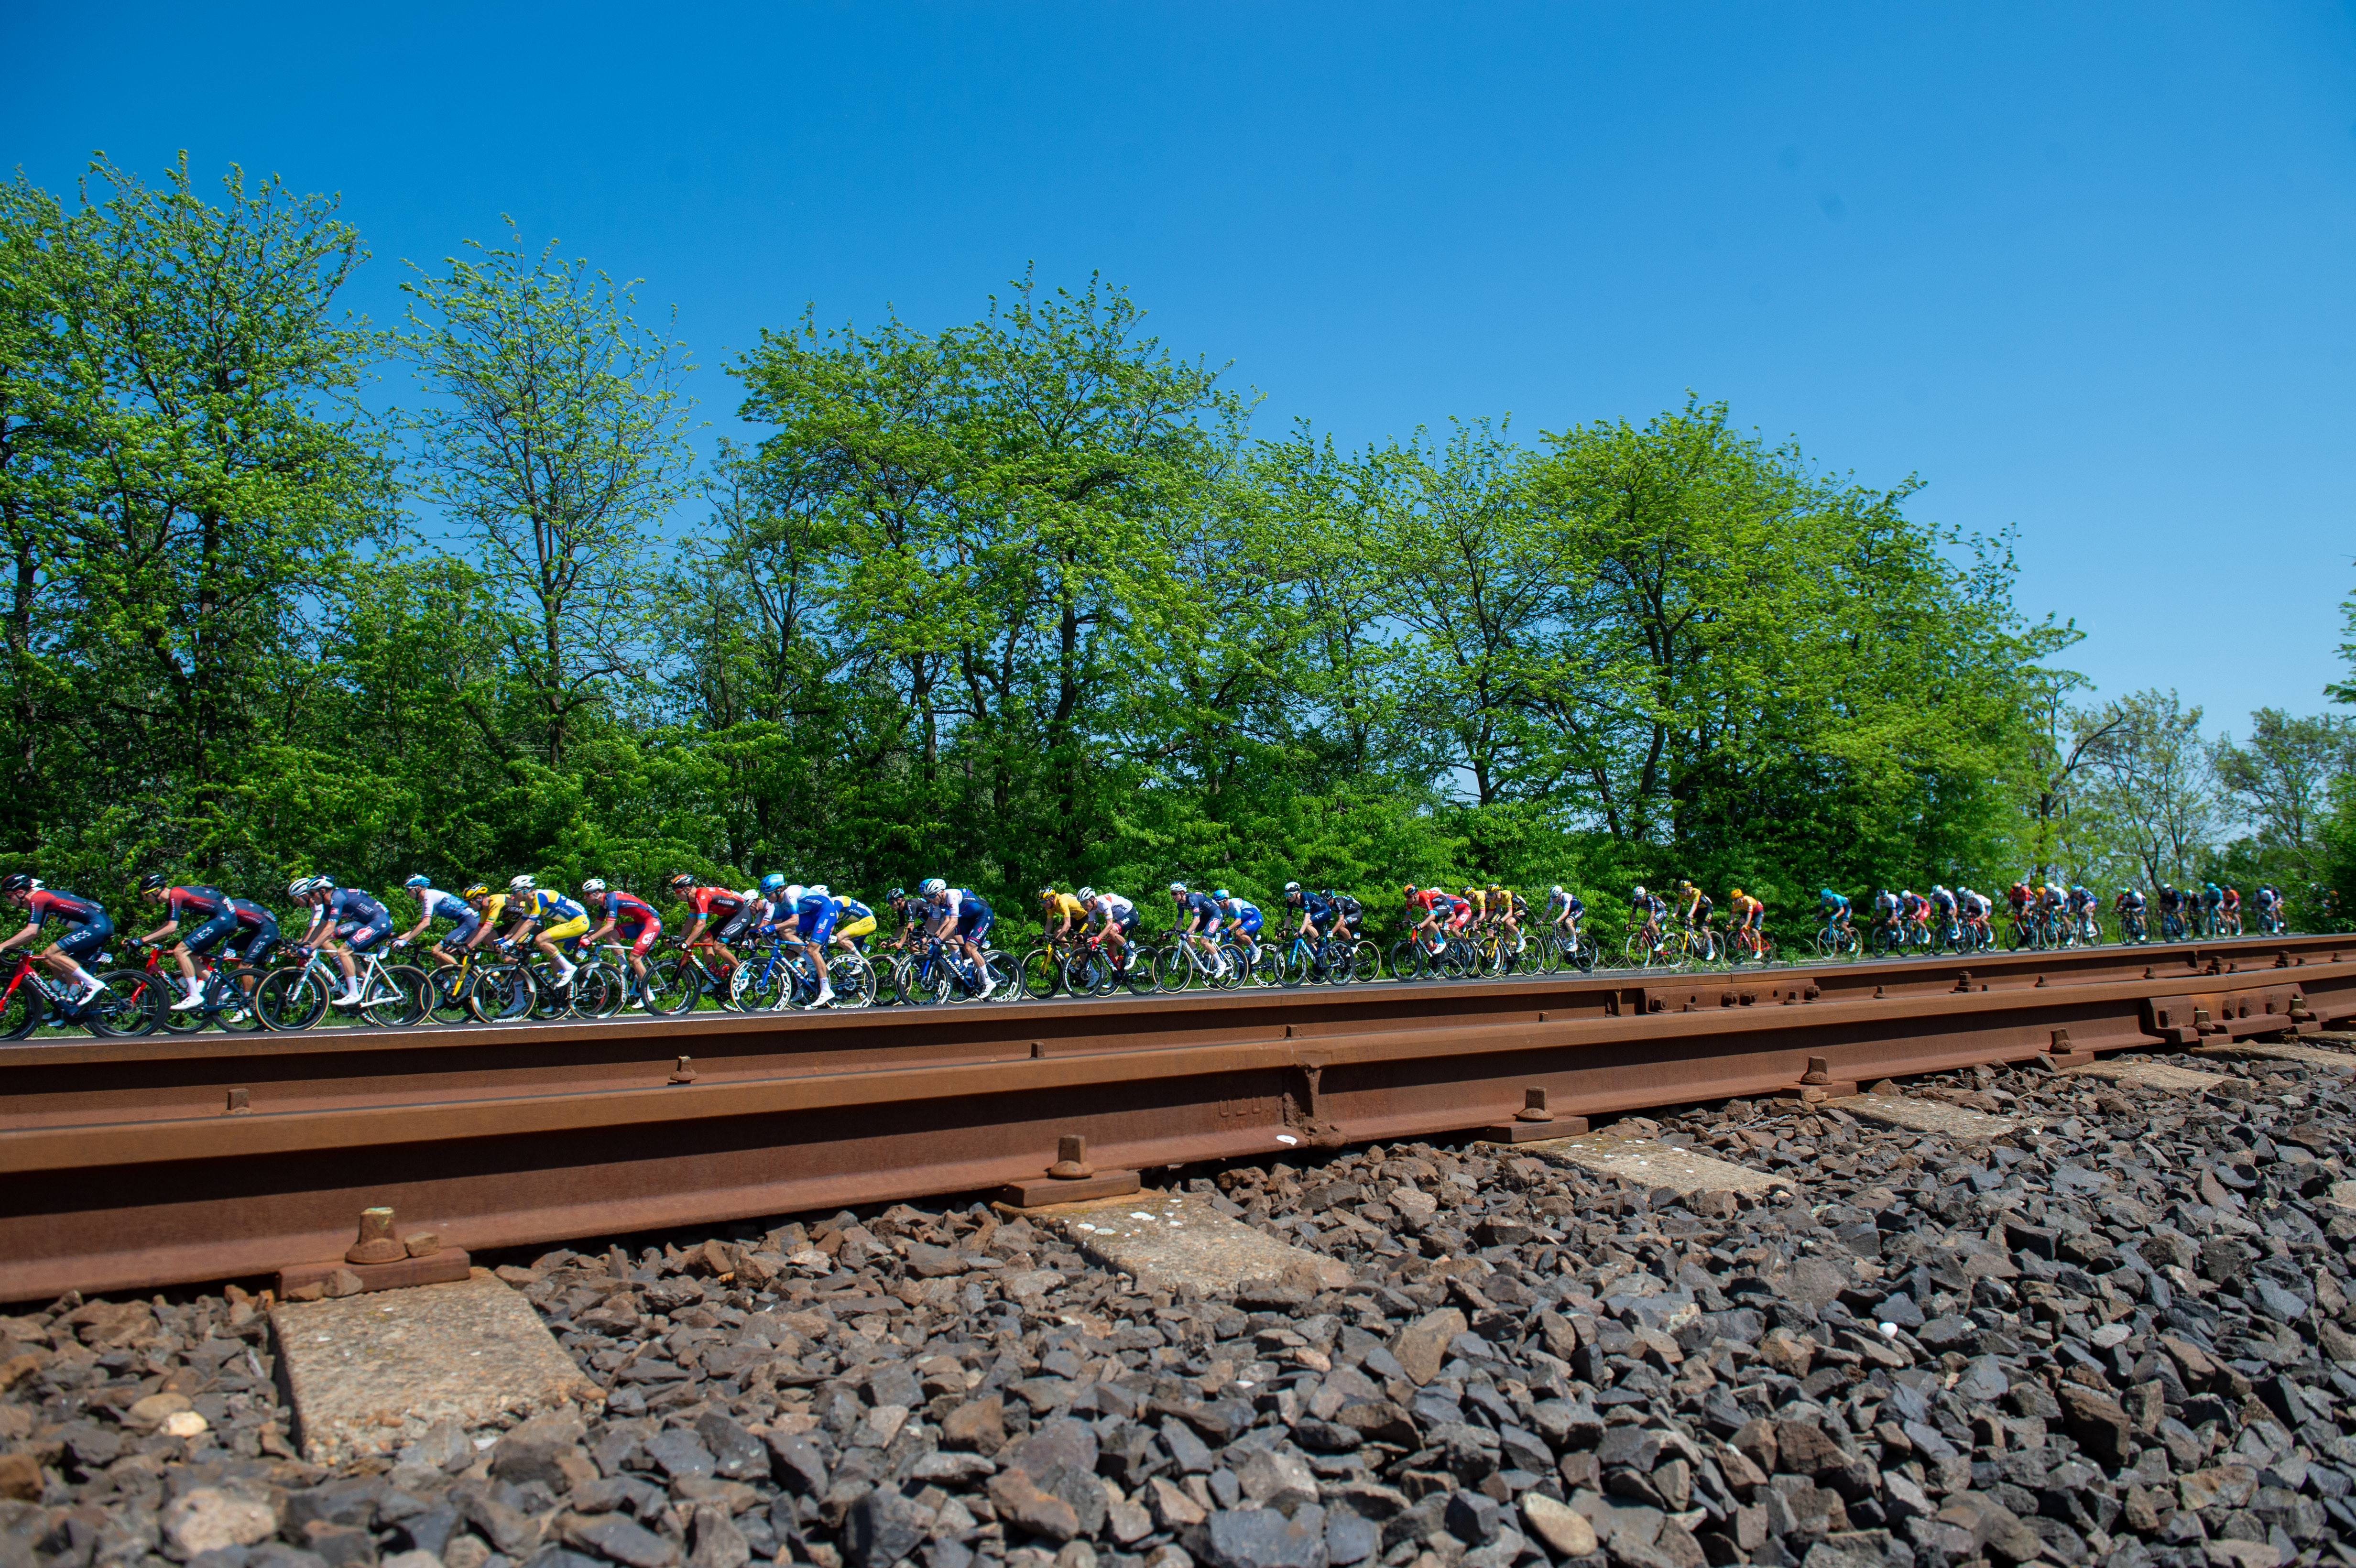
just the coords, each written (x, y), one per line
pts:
(523, 884)
(931, 886)
(1639, 893)
(1557, 888)
(1086, 895)
(1177, 887)
(593, 885)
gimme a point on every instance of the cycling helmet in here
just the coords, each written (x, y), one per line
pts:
(773, 883)
(299, 888)
(1048, 891)
(423, 880)
(1177, 887)
(1639, 890)
(1827, 893)
(1684, 885)
(1735, 894)
(16, 882)
(1555, 889)
(523, 884)
(1292, 887)
(932, 885)
(1220, 895)
(1410, 890)
(1468, 892)
(1086, 895)
(895, 895)
(593, 885)
(476, 890)
(794, 892)
(822, 889)
(152, 882)
(680, 880)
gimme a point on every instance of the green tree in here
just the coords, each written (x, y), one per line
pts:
(555, 439)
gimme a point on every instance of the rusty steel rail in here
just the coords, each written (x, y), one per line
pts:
(139, 1163)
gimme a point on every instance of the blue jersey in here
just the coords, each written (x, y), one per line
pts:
(439, 906)
(1317, 908)
(354, 906)
(853, 910)
(553, 909)
(1205, 906)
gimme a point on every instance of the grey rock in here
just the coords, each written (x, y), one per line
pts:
(1259, 1537)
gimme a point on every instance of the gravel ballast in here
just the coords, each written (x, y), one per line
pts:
(2120, 1332)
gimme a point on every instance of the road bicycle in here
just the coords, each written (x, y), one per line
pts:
(392, 996)
(2273, 924)
(1910, 932)
(1418, 957)
(1090, 971)
(676, 985)
(522, 984)
(937, 974)
(1838, 939)
(2132, 931)
(1560, 950)
(783, 976)
(1693, 946)
(1040, 970)
(1751, 944)
(1183, 962)
(1648, 946)
(225, 998)
(1321, 960)
(127, 1002)
(2172, 925)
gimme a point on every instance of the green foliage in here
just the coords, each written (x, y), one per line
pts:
(1014, 603)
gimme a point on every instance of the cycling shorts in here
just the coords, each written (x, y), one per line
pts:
(459, 935)
(863, 926)
(1460, 920)
(85, 940)
(974, 923)
(1248, 925)
(566, 931)
(644, 938)
(363, 938)
(207, 936)
(738, 925)
(821, 929)
(256, 943)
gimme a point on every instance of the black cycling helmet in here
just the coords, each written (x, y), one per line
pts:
(16, 882)
(898, 895)
(151, 882)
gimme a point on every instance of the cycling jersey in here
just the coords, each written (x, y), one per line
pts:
(1064, 906)
(548, 908)
(1244, 915)
(1977, 904)
(2131, 900)
(1319, 908)
(439, 906)
(1424, 898)
(1350, 910)
(2211, 896)
(46, 904)
(1886, 904)
(970, 912)
(716, 903)
(1116, 910)
(353, 906)
(814, 917)
(194, 904)
(2233, 897)
(2265, 898)
(1944, 900)
(2171, 898)
(1746, 909)
(1560, 904)
(627, 910)
(256, 936)
(1702, 909)
(88, 926)
(852, 909)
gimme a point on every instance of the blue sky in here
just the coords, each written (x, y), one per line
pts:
(2085, 270)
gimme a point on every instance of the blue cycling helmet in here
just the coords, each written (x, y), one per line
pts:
(420, 880)
(773, 883)
(1220, 895)
(1828, 893)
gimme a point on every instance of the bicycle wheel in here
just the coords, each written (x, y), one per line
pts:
(446, 987)
(854, 980)
(132, 1004)
(1638, 951)
(598, 990)
(761, 986)
(1407, 959)
(1173, 969)
(1006, 980)
(21, 1012)
(499, 993)
(400, 999)
(1042, 974)
(229, 1006)
(295, 997)
(1136, 972)
(1298, 965)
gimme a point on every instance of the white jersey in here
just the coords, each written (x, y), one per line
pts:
(1113, 907)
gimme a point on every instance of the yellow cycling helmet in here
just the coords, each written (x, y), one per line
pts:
(1735, 894)
(477, 891)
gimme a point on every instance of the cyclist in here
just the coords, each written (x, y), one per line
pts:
(708, 905)
(2268, 903)
(1699, 907)
(2083, 917)
(1885, 913)
(854, 922)
(2231, 911)
(2212, 905)
(1563, 910)
(2128, 907)
(343, 922)
(1832, 908)
(488, 907)
(1060, 911)
(1748, 915)
(433, 904)
(1111, 918)
(1477, 900)
(209, 918)
(2171, 904)
(1349, 913)
(1512, 912)
(1973, 909)
(632, 918)
(810, 913)
(1650, 910)
(1241, 914)
(88, 929)
(962, 916)
(551, 918)
(1315, 909)
(910, 912)
(2017, 899)
(1943, 906)
(1203, 915)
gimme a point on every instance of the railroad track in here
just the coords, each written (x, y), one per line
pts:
(130, 1164)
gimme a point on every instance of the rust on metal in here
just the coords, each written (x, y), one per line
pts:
(376, 1243)
(127, 1175)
